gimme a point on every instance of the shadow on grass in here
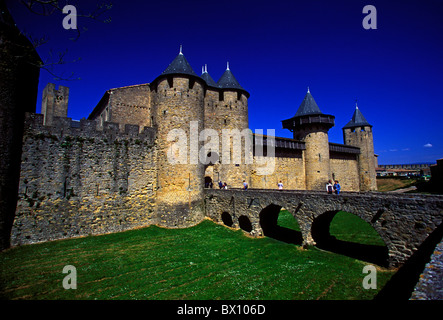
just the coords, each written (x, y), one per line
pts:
(370, 253)
(271, 229)
(402, 283)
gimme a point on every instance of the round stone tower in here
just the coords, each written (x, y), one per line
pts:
(358, 133)
(233, 102)
(229, 117)
(311, 126)
(178, 116)
(212, 101)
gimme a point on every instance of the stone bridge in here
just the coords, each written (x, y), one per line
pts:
(403, 221)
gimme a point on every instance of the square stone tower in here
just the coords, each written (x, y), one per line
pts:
(358, 133)
(54, 103)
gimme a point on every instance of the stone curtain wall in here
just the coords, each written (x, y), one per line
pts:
(345, 170)
(130, 105)
(77, 181)
(402, 221)
(290, 170)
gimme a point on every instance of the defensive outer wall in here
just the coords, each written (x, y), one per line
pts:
(402, 221)
(78, 181)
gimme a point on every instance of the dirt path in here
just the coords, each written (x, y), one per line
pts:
(404, 189)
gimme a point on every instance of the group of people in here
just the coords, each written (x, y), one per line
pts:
(222, 185)
(330, 188)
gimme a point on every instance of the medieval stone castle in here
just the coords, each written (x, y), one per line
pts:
(111, 172)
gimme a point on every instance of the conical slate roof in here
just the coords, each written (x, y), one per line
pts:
(208, 79)
(228, 81)
(358, 120)
(308, 106)
(180, 66)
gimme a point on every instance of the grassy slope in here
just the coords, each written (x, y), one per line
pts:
(387, 184)
(207, 261)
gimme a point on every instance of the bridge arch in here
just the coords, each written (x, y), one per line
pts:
(227, 219)
(244, 223)
(268, 220)
(321, 234)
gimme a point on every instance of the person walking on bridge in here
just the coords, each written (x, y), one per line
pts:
(329, 187)
(337, 187)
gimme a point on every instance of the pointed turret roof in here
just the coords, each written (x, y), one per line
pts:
(228, 81)
(208, 79)
(358, 120)
(180, 66)
(308, 106)
(308, 114)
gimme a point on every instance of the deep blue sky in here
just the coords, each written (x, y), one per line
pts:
(276, 49)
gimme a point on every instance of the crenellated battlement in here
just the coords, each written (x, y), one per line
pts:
(82, 179)
(63, 126)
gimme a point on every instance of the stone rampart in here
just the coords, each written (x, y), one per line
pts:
(77, 180)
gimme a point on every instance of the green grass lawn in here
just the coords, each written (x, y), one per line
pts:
(207, 261)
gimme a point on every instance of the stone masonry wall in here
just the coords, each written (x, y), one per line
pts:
(77, 181)
(131, 105)
(289, 168)
(344, 168)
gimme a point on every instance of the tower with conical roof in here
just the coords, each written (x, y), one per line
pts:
(231, 115)
(178, 114)
(233, 100)
(208, 79)
(310, 125)
(358, 133)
